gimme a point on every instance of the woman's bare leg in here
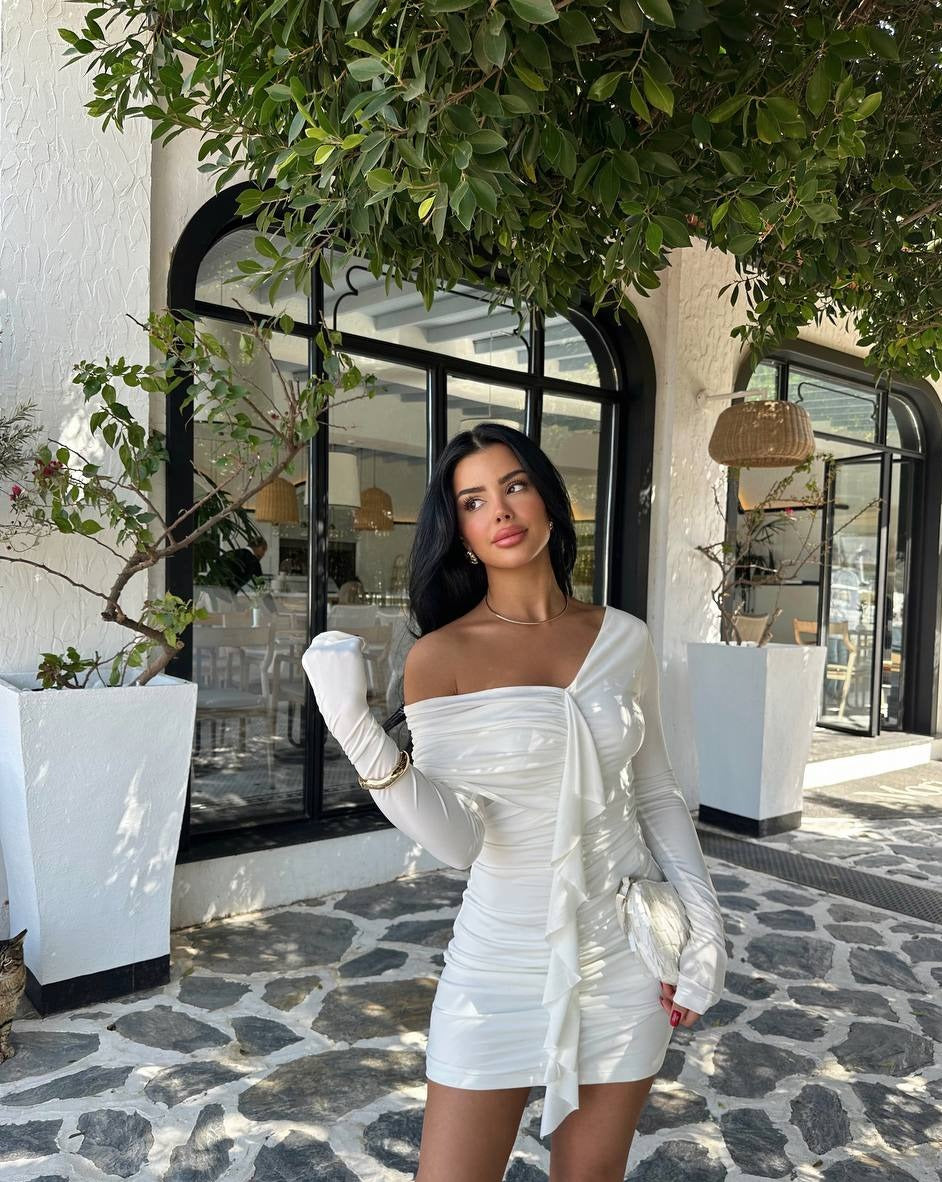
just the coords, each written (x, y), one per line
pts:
(467, 1134)
(592, 1143)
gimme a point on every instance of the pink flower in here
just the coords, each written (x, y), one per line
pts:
(45, 471)
(15, 492)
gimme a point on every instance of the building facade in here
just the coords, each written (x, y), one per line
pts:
(99, 228)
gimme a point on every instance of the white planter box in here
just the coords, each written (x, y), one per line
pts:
(92, 792)
(754, 711)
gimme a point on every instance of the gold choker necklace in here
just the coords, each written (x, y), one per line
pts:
(510, 621)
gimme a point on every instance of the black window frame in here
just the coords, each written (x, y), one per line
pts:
(626, 459)
(919, 706)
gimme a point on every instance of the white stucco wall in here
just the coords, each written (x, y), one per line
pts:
(688, 330)
(74, 259)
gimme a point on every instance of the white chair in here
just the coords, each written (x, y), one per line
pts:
(218, 703)
(283, 680)
(216, 598)
(351, 617)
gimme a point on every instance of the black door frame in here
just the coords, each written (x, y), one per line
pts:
(824, 597)
(922, 643)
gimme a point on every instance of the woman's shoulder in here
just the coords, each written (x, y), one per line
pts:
(628, 619)
(428, 668)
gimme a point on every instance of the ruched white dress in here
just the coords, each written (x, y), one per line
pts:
(553, 794)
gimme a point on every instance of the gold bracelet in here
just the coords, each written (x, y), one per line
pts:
(402, 764)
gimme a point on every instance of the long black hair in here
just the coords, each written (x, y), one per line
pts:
(443, 583)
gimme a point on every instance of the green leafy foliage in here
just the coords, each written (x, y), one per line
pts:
(53, 488)
(536, 147)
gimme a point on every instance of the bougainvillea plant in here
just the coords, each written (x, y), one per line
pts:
(51, 487)
(747, 560)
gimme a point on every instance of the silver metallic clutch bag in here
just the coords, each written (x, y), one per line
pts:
(654, 919)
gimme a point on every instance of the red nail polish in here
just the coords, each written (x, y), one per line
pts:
(675, 1017)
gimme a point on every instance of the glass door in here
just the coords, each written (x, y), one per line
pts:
(852, 602)
(898, 566)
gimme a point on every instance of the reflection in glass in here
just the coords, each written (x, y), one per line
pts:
(764, 380)
(247, 757)
(220, 281)
(850, 595)
(902, 425)
(834, 406)
(778, 544)
(567, 354)
(898, 563)
(460, 323)
(376, 481)
(470, 402)
(571, 432)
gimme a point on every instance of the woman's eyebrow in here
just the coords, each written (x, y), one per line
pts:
(500, 480)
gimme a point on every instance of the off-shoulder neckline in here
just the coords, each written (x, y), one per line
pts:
(498, 689)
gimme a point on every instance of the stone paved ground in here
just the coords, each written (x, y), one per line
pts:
(289, 1046)
(889, 825)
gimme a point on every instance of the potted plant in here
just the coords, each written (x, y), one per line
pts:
(95, 751)
(228, 532)
(755, 700)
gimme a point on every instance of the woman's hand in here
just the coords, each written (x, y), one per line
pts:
(336, 668)
(677, 1014)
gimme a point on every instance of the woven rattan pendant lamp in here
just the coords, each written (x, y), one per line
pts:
(276, 502)
(765, 433)
(375, 512)
(376, 508)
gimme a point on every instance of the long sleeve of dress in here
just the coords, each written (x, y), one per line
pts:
(444, 820)
(669, 833)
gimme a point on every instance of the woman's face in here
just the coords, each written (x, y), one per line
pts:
(495, 497)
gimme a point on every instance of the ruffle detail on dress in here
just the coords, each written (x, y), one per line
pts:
(581, 797)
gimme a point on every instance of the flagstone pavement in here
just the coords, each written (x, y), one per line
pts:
(289, 1045)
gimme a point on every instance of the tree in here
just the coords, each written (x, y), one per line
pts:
(54, 488)
(550, 148)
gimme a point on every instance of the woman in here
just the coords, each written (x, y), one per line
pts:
(538, 762)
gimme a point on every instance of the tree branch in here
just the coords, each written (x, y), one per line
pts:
(51, 571)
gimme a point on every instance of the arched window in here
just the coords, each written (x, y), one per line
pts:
(864, 593)
(339, 536)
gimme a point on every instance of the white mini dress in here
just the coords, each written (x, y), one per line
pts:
(560, 792)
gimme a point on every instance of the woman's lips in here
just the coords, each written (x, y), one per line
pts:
(511, 539)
